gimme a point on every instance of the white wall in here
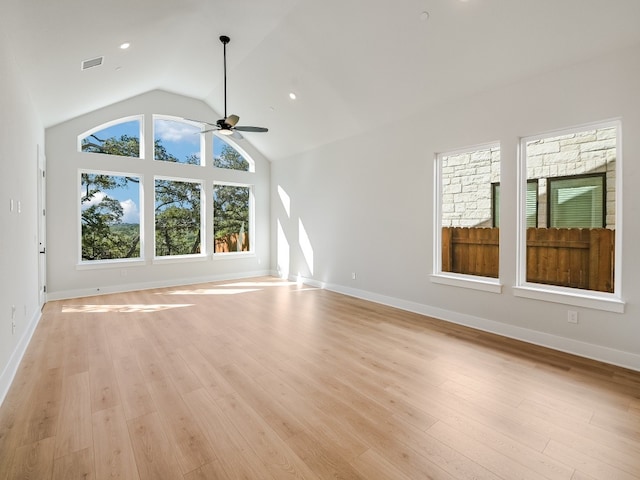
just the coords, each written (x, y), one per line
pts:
(21, 135)
(65, 278)
(366, 205)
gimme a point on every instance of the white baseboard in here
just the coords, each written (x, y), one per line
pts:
(129, 287)
(9, 373)
(587, 350)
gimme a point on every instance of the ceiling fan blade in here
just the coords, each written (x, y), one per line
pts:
(210, 130)
(237, 135)
(232, 120)
(199, 121)
(251, 129)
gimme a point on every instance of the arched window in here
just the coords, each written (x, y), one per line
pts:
(226, 155)
(120, 137)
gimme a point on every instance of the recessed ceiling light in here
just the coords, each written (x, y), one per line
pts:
(125, 45)
(293, 96)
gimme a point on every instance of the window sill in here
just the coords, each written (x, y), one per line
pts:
(232, 255)
(116, 263)
(569, 296)
(484, 284)
(180, 258)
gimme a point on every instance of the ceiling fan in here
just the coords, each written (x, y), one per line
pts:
(229, 124)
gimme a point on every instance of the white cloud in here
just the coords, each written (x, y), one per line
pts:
(130, 210)
(94, 200)
(171, 131)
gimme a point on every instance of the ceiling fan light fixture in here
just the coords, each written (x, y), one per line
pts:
(225, 131)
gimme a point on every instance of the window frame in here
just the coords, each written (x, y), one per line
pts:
(113, 262)
(611, 302)
(252, 222)
(139, 118)
(150, 169)
(475, 282)
(203, 233)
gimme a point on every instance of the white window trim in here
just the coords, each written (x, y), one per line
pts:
(611, 302)
(203, 236)
(474, 282)
(252, 226)
(116, 262)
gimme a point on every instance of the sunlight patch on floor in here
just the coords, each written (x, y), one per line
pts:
(150, 308)
(211, 291)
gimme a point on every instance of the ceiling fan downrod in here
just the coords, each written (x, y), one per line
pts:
(224, 39)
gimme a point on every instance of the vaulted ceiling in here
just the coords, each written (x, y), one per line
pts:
(354, 64)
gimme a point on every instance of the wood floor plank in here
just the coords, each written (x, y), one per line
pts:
(135, 397)
(34, 461)
(73, 432)
(325, 462)
(190, 446)
(113, 452)
(211, 471)
(75, 466)
(267, 379)
(585, 463)
(154, 454)
(278, 458)
(46, 395)
(277, 415)
(104, 387)
(182, 376)
(207, 374)
(232, 451)
(505, 466)
(372, 465)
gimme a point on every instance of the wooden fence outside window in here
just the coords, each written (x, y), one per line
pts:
(570, 257)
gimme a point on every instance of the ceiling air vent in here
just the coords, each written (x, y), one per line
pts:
(93, 62)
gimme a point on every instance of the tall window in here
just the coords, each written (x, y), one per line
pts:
(177, 217)
(574, 245)
(231, 218)
(466, 243)
(110, 216)
(121, 138)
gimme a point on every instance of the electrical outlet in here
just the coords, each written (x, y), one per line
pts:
(572, 316)
(353, 275)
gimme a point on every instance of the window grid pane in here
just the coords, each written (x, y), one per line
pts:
(177, 214)
(469, 238)
(176, 141)
(110, 216)
(575, 173)
(231, 218)
(121, 139)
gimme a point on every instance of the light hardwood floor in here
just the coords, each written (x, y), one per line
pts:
(262, 379)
